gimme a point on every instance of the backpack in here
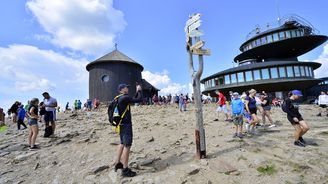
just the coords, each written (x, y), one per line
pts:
(114, 116)
(284, 106)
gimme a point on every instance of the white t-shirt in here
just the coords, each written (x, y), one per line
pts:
(50, 102)
(323, 100)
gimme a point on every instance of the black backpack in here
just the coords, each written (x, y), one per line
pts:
(114, 116)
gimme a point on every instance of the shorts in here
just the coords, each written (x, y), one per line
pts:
(267, 108)
(290, 119)
(323, 106)
(253, 111)
(32, 122)
(222, 108)
(126, 134)
(247, 116)
(237, 119)
(49, 116)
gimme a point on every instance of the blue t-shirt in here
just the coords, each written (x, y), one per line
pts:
(237, 106)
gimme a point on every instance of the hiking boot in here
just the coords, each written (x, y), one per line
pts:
(216, 120)
(35, 147)
(235, 135)
(127, 172)
(118, 166)
(301, 140)
(240, 135)
(272, 126)
(299, 143)
(319, 114)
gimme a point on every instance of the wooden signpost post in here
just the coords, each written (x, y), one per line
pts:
(192, 32)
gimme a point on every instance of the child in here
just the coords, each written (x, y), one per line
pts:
(237, 107)
(295, 118)
(21, 117)
(33, 122)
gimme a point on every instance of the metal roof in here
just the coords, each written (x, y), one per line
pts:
(114, 56)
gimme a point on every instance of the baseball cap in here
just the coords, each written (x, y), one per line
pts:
(297, 92)
(121, 86)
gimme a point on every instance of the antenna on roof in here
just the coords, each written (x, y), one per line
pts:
(278, 12)
(115, 46)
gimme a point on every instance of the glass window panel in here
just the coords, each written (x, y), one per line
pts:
(298, 33)
(311, 72)
(287, 34)
(293, 33)
(282, 35)
(282, 72)
(301, 32)
(220, 80)
(249, 76)
(290, 72)
(265, 73)
(263, 40)
(233, 78)
(297, 71)
(253, 44)
(258, 42)
(302, 71)
(274, 73)
(241, 77)
(227, 79)
(216, 81)
(307, 71)
(269, 38)
(257, 75)
(275, 37)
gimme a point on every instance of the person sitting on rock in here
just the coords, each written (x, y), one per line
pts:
(126, 135)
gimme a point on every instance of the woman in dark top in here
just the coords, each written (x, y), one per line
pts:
(250, 105)
(265, 103)
(33, 112)
(295, 118)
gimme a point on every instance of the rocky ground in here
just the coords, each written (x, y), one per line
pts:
(83, 151)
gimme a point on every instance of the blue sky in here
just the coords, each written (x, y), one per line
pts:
(45, 45)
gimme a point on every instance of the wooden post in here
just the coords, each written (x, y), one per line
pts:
(195, 77)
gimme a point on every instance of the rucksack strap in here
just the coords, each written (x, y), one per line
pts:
(126, 109)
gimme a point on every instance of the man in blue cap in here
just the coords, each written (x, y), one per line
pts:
(126, 135)
(295, 118)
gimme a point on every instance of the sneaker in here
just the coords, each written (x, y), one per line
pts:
(299, 143)
(127, 172)
(216, 120)
(240, 135)
(35, 147)
(319, 114)
(118, 166)
(235, 135)
(272, 126)
(301, 140)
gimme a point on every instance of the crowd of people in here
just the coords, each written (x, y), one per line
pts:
(247, 112)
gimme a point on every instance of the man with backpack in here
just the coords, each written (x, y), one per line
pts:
(125, 125)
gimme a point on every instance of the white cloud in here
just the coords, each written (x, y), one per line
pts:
(163, 82)
(27, 71)
(323, 59)
(89, 26)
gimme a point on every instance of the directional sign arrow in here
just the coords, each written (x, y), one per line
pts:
(195, 33)
(197, 45)
(193, 19)
(201, 52)
(194, 26)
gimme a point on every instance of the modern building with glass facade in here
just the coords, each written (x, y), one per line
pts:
(268, 61)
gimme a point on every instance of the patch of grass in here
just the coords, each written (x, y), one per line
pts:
(267, 170)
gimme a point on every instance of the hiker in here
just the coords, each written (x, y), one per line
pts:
(96, 104)
(258, 106)
(291, 107)
(182, 103)
(323, 102)
(89, 104)
(14, 110)
(33, 122)
(222, 106)
(79, 105)
(126, 133)
(50, 105)
(237, 109)
(2, 117)
(250, 105)
(265, 103)
(20, 117)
